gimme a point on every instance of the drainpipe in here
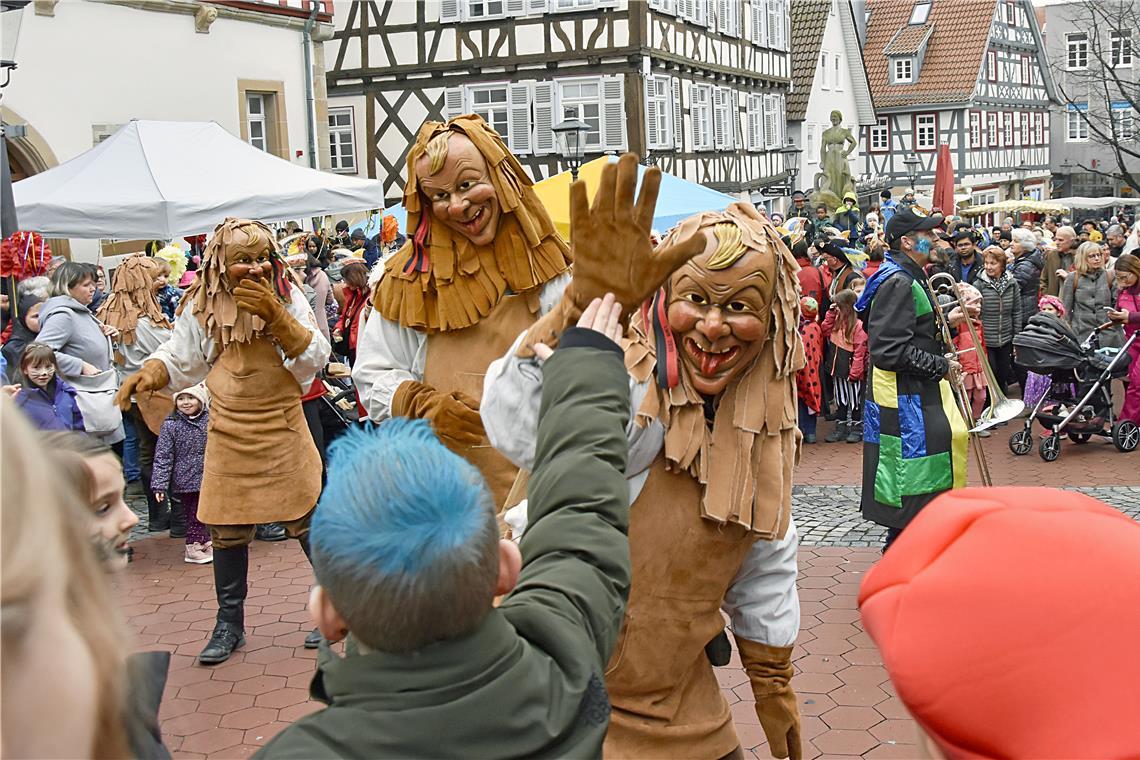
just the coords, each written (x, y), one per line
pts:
(310, 99)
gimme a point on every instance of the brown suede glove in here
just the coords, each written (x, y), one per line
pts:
(453, 416)
(258, 298)
(610, 240)
(770, 671)
(152, 377)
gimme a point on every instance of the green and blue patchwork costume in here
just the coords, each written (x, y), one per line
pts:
(914, 437)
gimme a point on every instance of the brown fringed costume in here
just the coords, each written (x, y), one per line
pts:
(467, 302)
(254, 339)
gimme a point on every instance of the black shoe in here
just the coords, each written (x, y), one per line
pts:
(838, 434)
(855, 432)
(223, 641)
(313, 640)
(270, 532)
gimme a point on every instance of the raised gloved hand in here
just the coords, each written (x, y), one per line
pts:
(770, 672)
(453, 416)
(152, 377)
(610, 240)
(258, 298)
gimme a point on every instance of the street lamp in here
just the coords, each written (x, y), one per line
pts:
(1019, 174)
(791, 156)
(911, 163)
(571, 136)
(12, 15)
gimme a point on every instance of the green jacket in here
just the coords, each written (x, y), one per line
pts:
(528, 682)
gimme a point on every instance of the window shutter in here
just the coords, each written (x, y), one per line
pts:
(678, 119)
(721, 13)
(782, 120)
(449, 10)
(543, 117)
(519, 137)
(759, 27)
(613, 113)
(653, 113)
(718, 119)
(452, 102)
(536, 7)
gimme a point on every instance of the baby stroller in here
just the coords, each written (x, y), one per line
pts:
(1079, 401)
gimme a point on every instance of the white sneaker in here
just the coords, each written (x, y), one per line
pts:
(197, 554)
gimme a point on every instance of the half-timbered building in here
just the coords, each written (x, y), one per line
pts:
(968, 73)
(695, 86)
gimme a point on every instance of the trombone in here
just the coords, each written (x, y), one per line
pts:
(1001, 408)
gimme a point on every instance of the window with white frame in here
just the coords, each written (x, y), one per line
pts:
(1077, 50)
(658, 112)
(823, 70)
(838, 69)
(991, 66)
(902, 70)
(1122, 120)
(728, 17)
(1039, 128)
(693, 11)
(255, 118)
(777, 24)
(724, 118)
(342, 140)
(920, 12)
(754, 121)
(774, 121)
(1025, 69)
(926, 131)
(701, 115)
(1026, 133)
(1077, 128)
(582, 100)
(880, 135)
(573, 5)
(975, 129)
(482, 9)
(991, 129)
(812, 155)
(1121, 48)
(490, 102)
(1007, 129)
(980, 199)
(760, 22)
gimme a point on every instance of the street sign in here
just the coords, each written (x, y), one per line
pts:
(775, 191)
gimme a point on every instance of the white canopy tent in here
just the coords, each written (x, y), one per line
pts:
(166, 179)
(1077, 202)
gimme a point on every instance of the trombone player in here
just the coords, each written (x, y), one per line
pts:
(914, 436)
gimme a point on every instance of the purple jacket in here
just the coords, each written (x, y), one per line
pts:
(51, 408)
(180, 453)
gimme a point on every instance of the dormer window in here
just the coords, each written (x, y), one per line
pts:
(902, 70)
(920, 12)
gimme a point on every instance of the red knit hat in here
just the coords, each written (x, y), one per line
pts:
(1009, 622)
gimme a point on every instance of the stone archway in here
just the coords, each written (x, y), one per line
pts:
(28, 155)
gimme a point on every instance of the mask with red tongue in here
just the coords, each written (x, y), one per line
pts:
(718, 309)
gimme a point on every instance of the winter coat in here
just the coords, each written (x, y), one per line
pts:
(52, 407)
(169, 298)
(1026, 269)
(1086, 298)
(848, 361)
(528, 680)
(68, 327)
(954, 267)
(180, 453)
(349, 323)
(970, 359)
(21, 335)
(1002, 308)
(808, 387)
(1050, 263)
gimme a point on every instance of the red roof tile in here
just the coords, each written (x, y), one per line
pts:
(908, 40)
(809, 20)
(954, 53)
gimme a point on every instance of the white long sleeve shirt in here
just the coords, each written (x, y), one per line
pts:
(388, 354)
(189, 353)
(762, 601)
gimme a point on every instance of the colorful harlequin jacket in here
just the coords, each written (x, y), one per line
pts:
(914, 437)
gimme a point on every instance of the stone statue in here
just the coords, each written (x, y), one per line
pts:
(834, 179)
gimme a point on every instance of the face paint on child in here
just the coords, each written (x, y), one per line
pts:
(40, 374)
(111, 528)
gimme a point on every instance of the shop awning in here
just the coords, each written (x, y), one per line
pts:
(1016, 206)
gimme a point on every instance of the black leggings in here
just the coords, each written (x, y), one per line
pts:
(1001, 362)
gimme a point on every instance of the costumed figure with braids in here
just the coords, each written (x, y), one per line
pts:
(482, 264)
(914, 437)
(133, 309)
(712, 359)
(246, 330)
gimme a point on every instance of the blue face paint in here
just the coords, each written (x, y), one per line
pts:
(922, 245)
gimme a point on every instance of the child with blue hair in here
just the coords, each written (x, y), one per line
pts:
(407, 555)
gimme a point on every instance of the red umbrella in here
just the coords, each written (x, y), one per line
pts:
(944, 181)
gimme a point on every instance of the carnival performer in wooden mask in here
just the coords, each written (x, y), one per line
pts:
(133, 309)
(712, 359)
(252, 336)
(482, 262)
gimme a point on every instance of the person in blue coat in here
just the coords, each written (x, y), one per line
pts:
(46, 398)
